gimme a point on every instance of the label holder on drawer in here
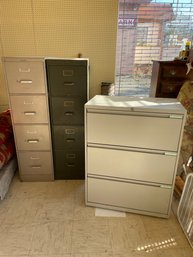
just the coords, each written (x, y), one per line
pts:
(24, 81)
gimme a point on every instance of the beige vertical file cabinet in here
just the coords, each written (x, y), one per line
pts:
(27, 89)
(132, 151)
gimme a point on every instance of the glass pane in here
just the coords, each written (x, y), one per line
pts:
(149, 30)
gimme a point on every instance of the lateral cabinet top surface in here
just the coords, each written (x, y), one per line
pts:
(137, 104)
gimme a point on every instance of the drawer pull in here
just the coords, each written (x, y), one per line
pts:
(68, 113)
(68, 103)
(29, 113)
(36, 166)
(33, 141)
(172, 72)
(171, 153)
(25, 81)
(70, 164)
(171, 88)
(176, 116)
(166, 186)
(68, 84)
(70, 140)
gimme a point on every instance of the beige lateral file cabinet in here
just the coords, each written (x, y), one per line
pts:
(27, 89)
(132, 151)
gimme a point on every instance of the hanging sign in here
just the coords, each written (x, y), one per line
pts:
(126, 22)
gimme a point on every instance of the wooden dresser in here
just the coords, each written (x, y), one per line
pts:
(168, 77)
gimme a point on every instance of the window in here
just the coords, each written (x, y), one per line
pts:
(142, 33)
(149, 30)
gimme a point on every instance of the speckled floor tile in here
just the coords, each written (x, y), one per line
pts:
(91, 236)
(52, 238)
(15, 239)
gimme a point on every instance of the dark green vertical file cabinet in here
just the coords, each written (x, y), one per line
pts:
(68, 92)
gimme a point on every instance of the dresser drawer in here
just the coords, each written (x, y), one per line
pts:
(68, 137)
(67, 80)
(29, 109)
(67, 110)
(69, 164)
(35, 162)
(25, 76)
(170, 87)
(32, 137)
(133, 165)
(134, 131)
(173, 71)
(136, 197)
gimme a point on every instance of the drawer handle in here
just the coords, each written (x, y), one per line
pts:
(68, 84)
(70, 164)
(68, 113)
(33, 141)
(36, 166)
(71, 156)
(68, 103)
(25, 81)
(29, 113)
(70, 140)
(172, 72)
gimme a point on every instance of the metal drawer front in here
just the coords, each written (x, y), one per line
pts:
(69, 164)
(68, 137)
(32, 137)
(67, 80)
(35, 162)
(132, 196)
(25, 77)
(134, 131)
(66, 111)
(151, 167)
(29, 109)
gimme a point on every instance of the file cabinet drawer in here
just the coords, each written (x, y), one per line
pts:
(29, 109)
(133, 165)
(67, 111)
(25, 77)
(32, 137)
(137, 197)
(68, 137)
(67, 80)
(69, 164)
(35, 162)
(134, 131)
